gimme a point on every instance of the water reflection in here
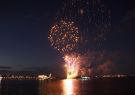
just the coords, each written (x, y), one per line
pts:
(68, 87)
(123, 86)
(60, 87)
(50, 87)
(44, 87)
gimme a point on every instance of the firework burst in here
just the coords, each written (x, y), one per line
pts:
(92, 18)
(64, 36)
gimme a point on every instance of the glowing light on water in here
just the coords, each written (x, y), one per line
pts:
(68, 87)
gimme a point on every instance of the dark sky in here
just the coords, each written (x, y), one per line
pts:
(24, 27)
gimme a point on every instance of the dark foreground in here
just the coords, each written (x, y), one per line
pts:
(106, 86)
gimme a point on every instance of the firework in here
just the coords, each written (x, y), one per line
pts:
(64, 36)
(92, 18)
(72, 62)
(79, 26)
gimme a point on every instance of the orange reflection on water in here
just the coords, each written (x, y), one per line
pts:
(59, 87)
(68, 87)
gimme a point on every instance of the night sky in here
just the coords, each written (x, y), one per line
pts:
(24, 27)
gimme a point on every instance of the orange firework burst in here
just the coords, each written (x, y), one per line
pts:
(72, 65)
(64, 36)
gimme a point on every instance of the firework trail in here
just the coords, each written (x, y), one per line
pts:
(72, 64)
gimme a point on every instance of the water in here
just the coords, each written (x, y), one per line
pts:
(108, 86)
